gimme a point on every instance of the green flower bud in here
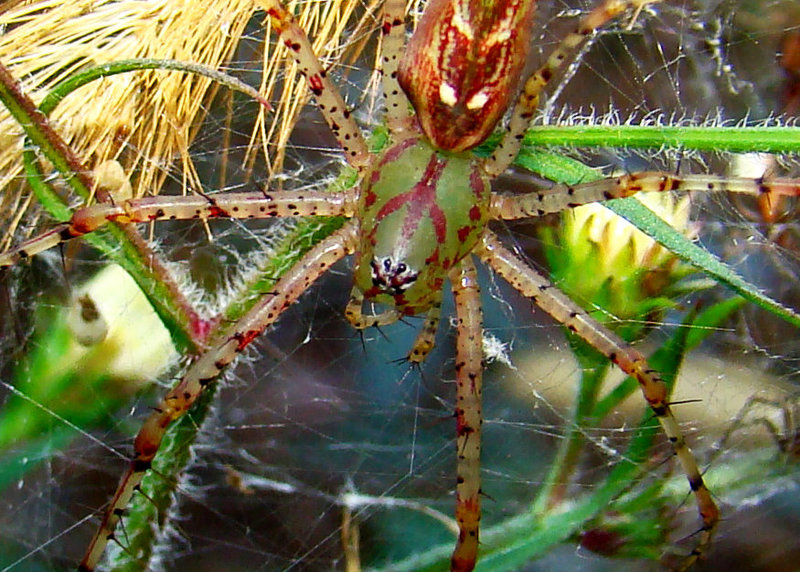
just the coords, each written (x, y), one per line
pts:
(612, 268)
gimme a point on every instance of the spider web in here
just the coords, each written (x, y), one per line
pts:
(318, 423)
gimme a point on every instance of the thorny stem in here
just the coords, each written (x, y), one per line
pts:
(126, 246)
(64, 88)
(750, 139)
(38, 130)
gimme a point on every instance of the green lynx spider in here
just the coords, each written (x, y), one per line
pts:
(419, 214)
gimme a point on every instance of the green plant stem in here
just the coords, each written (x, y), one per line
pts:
(146, 518)
(39, 131)
(750, 139)
(123, 245)
(119, 243)
(88, 75)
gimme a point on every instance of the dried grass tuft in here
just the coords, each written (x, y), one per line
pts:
(145, 120)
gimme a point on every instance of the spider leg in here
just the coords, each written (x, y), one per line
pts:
(328, 98)
(355, 313)
(398, 117)
(468, 413)
(207, 369)
(542, 292)
(425, 339)
(563, 197)
(528, 100)
(148, 209)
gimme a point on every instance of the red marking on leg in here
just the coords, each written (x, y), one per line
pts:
(471, 505)
(315, 82)
(245, 338)
(462, 427)
(215, 211)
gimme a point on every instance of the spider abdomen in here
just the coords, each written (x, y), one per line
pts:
(462, 66)
(423, 211)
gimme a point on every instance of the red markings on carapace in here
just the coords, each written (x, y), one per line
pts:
(369, 198)
(464, 232)
(420, 201)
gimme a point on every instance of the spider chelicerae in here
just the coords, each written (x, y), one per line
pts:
(416, 220)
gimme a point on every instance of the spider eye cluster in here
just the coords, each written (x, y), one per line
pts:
(391, 276)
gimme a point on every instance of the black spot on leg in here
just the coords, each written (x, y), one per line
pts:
(659, 410)
(140, 466)
(66, 233)
(696, 483)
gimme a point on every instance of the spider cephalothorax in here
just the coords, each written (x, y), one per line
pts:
(422, 212)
